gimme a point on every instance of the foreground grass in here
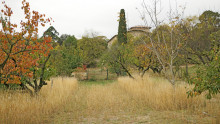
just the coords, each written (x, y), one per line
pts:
(147, 100)
(151, 100)
(21, 108)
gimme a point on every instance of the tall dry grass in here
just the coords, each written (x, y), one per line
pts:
(115, 102)
(157, 93)
(96, 101)
(20, 108)
(126, 98)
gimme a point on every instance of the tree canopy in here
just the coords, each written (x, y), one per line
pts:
(91, 49)
(122, 28)
(21, 51)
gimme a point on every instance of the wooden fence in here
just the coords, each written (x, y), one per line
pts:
(95, 74)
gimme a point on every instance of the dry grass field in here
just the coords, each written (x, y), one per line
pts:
(148, 100)
(21, 108)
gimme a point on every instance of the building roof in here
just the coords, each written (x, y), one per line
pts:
(134, 29)
(112, 38)
(140, 27)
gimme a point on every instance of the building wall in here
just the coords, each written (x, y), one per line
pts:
(136, 32)
(111, 41)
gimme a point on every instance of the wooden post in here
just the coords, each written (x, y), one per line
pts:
(87, 74)
(107, 74)
(51, 83)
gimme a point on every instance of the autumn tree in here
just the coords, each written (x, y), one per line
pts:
(20, 49)
(122, 28)
(145, 59)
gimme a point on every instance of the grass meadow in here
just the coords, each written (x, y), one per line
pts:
(148, 100)
(20, 108)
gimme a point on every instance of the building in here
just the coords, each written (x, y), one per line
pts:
(135, 31)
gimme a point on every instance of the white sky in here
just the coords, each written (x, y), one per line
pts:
(75, 17)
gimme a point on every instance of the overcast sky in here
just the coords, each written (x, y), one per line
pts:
(75, 17)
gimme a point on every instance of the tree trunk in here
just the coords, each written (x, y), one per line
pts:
(143, 72)
(126, 70)
(187, 72)
(42, 82)
(24, 87)
(172, 73)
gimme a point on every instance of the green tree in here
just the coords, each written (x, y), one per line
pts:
(207, 75)
(91, 49)
(108, 61)
(122, 28)
(199, 43)
(70, 41)
(52, 32)
(63, 37)
(66, 57)
(118, 59)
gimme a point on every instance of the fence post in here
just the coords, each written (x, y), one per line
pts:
(52, 84)
(107, 74)
(87, 74)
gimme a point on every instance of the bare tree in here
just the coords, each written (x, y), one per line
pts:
(166, 39)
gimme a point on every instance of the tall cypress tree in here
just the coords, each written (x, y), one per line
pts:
(122, 28)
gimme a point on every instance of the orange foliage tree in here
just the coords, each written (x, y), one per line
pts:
(145, 59)
(20, 49)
